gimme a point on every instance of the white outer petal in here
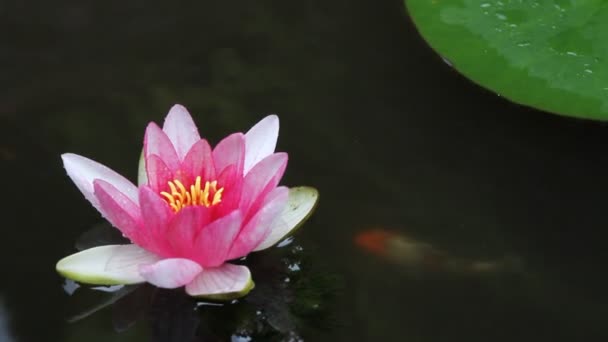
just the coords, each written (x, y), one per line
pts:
(260, 141)
(106, 265)
(181, 130)
(142, 174)
(221, 283)
(170, 273)
(84, 171)
(300, 204)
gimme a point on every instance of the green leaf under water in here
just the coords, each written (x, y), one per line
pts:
(548, 54)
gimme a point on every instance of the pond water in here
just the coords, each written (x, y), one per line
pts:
(495, 212)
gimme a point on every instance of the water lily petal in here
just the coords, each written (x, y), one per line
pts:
(300, 205)
(213, 242)
(259, 227)
(84, 171)
(260, 141)
(199, 162)
(230, 151)
(142, 176)
(221, 283)
(106, 265)
(155, 213)
(170, 273)
(158, 172)
(183, 228)
(181, 130)
(117, 208)
(264, 177)
(157, 143)
(229, 179)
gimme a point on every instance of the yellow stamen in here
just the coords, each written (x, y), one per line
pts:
(172, 186)
(204, 199)
(180, 197)
(168, 196)
(217, 197)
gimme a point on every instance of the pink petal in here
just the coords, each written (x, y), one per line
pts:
(121, 211)
(155, 213)
(170, 273)
(258, 228)
(227, 279)
(156, 142)
(158, 173)
(260, 141)
(181, 130)
(199, 162)
(184, 227)
(264, 177)
(213, 241)
(84, 171)
(231, 197)
(230, 151)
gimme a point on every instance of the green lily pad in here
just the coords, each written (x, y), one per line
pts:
(547, 54)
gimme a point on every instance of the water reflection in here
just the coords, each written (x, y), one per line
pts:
(290, 300)
(5, 334)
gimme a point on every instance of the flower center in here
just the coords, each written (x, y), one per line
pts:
(180, 197)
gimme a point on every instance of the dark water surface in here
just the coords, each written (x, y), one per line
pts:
(391, 136)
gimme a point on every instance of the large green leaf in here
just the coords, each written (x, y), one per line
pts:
(548, 54)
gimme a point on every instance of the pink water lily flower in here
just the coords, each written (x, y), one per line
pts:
(195, 209)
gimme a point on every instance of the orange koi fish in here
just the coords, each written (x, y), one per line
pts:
(417, 255)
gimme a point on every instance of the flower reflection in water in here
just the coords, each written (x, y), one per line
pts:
(290, 300)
